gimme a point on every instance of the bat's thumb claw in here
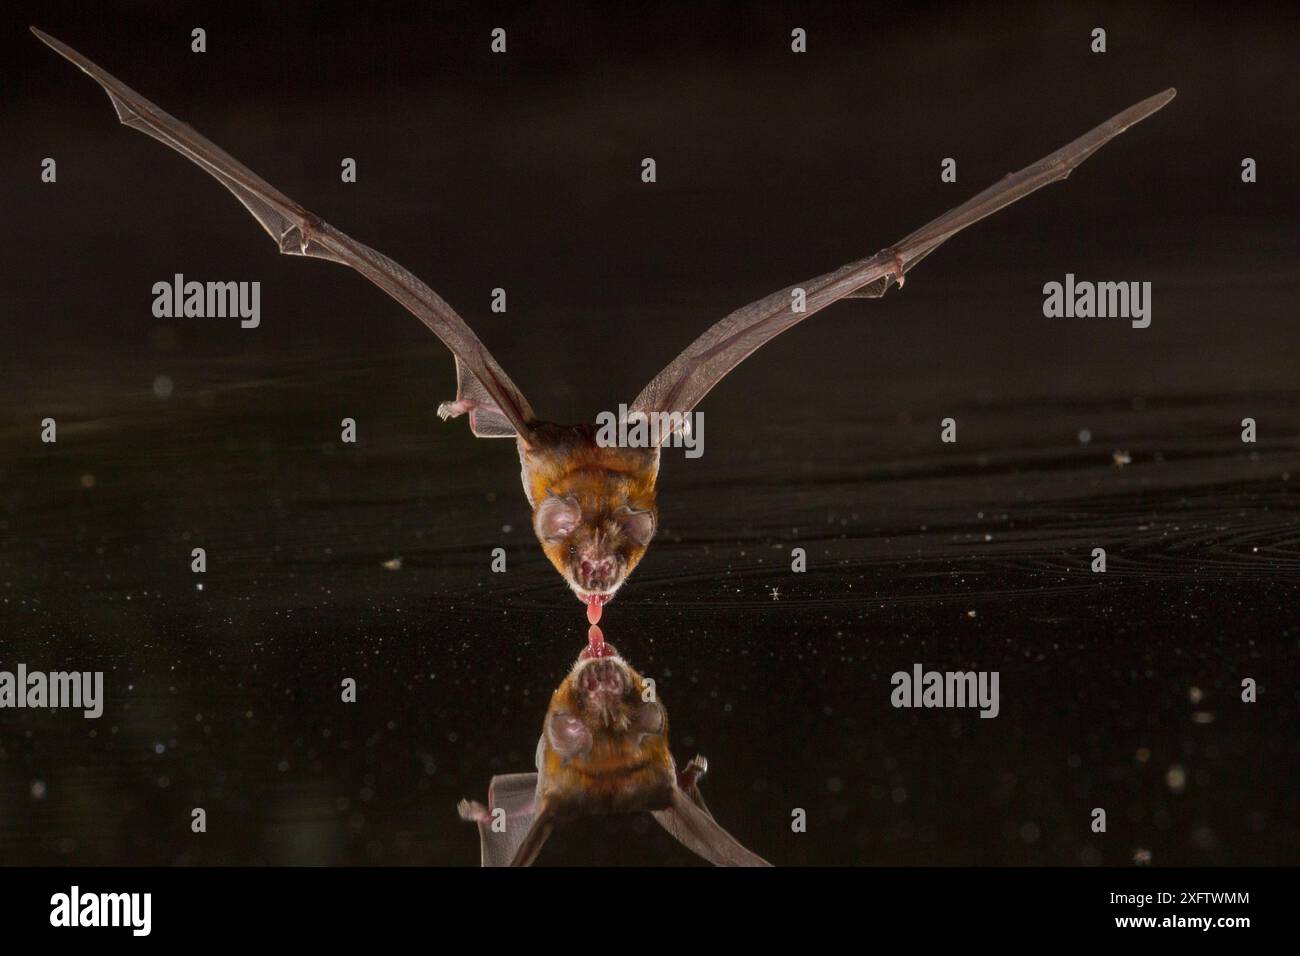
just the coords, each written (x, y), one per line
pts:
(698, 767)
(472, 811)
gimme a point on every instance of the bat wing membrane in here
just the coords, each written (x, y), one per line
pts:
(690, 376)
(495, 406)
(694, 827)
(502, 834)
(531, 844)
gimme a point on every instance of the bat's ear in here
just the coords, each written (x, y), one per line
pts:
(648, 718)
(568, 736)
(555, 518)
(637, 525)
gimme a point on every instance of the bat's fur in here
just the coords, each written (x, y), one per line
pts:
(608, 495)
(603, 749)
(625, 766)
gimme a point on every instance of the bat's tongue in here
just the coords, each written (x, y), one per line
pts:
(596, 646)
(595, 607)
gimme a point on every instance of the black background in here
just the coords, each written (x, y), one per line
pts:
(523, 171)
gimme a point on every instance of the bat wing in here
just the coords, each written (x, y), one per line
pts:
(694, 827)
(681, 386)
(531, 844)
(502, 834)
(495, 406)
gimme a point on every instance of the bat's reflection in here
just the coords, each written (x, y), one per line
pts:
(603, 749)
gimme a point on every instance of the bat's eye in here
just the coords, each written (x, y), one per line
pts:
(573, 550)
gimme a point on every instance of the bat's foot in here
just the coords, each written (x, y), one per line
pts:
(471, 811)
(693, 772)
(899, 276)
(455, 409)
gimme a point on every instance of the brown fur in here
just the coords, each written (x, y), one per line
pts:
(626, 770)
(566, 462)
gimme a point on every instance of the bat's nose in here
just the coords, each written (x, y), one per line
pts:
(597, 574)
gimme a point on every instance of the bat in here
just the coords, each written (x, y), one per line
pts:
(603, 749)
(594, 506)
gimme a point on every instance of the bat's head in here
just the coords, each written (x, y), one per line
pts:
(603, 696)
(593, 540)
(593, 507)
(605, 739)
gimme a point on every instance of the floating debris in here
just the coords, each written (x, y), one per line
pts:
(1176, 778)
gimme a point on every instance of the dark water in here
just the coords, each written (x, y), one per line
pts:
(1118, 690)
(976, 557)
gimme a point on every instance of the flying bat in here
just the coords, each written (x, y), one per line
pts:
(603, 749)
(594, 505)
